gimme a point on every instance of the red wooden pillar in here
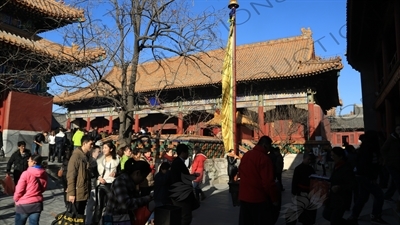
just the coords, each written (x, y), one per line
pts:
(311, 121)
(2, 109)
(68, 125)
(266, 129)
(239, 136)
(261, 122)
(180, 124)
(136, 123)
(110, 124)
(88, 124)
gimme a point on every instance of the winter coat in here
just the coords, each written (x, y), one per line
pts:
(161, 186)
(94, 134)
(391, 152)
(94, 174)
(39, 138)
(278, 164)
(365, 165)
(30, 187)
(60, 139)
(198, 166)
(77, 138)
(257, 178)
(342, 176)
(78, 176)
(122, 162)
(104, 170)
(231, 164)
(178, 168)
(20, 162)
(301, 179)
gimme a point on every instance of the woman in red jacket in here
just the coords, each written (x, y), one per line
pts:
(198, 170)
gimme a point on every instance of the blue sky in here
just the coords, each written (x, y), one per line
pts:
(262, 20)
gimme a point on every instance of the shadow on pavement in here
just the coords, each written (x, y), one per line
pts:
(216, 209)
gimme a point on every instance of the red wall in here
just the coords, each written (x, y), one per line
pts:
(3, 106)
(336, 137)
(28, 112)
(246, 133)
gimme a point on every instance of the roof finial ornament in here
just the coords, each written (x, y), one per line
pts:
(306, 32)
(233, 4)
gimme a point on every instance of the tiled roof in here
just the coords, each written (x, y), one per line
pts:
(44, 47)
(51, 8)
(285, 58)
(354, 122)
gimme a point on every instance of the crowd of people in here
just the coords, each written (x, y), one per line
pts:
(355, 174)
(60, 140)
(101, 180)
(104, 181)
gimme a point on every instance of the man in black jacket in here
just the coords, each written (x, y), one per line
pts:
(301, 188)
(20, 160)
(38, 140)
(178, 168)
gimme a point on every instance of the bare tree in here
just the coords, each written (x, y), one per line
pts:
(133, 32)
(285, 122)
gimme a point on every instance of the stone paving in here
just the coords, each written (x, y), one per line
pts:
(216, 209)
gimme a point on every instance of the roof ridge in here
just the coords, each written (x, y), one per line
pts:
(47, 47)
(48, 5)
(305, 35)
(323, 60)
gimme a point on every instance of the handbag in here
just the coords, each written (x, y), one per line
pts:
(142, 215)
(123, 219)
(9, 186)
(60, 172)
(106, 188)
(69, 217)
